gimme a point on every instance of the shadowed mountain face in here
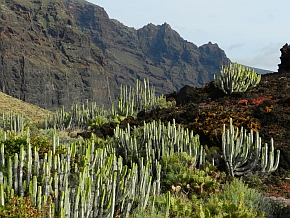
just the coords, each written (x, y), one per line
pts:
(58, 53)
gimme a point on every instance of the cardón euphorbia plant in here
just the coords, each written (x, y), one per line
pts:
(244, 153)
(236, 78)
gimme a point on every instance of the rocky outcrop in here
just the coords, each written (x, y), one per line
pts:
(58, 53)
(285, 59)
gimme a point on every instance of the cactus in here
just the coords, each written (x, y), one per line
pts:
(13, 121)
(168, 203)
(267, 161)
(242, 153)
(93, 184)
(156, 140)
(87, 179)
(236, 78)
(131, 101)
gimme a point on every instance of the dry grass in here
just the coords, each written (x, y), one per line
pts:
(29, 111)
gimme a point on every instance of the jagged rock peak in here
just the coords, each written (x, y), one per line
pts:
(285, 59)
(153, 25)
(166, 25)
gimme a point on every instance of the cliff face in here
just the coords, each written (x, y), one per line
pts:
(45, 59)
(57, 53)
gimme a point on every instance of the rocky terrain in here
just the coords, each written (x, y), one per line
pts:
(264, 109)
(58, 53)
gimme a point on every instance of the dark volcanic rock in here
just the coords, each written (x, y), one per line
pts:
(285, 59)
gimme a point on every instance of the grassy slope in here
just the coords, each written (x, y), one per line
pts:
(29, 111)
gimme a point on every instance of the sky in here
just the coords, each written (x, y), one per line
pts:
(251, 32)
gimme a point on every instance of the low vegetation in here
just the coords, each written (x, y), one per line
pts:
(156, 170)
(30, 112)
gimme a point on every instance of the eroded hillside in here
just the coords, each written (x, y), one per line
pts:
(58, 53)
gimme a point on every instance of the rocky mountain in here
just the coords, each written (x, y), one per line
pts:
(58, 53)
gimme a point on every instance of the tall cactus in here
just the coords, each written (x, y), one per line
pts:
(12, 121)
(267, 161)
(242, 152)
(155, 140)
(95, 183)
(236, 78)
(133, 100)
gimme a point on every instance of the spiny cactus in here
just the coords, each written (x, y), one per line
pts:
(82, 181)
(242, 152)
(142, 97)
(156, 140)
(236, 78)
(131, 101)
(13, 122)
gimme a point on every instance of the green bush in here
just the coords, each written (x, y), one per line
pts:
(18, 207)
(42, 143)
(180, 175)
(218, 209)
(179, 207)
(97, 121)
(12, 145)
(236, 200)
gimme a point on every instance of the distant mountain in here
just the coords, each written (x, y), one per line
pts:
(58, 53)
(261, 71)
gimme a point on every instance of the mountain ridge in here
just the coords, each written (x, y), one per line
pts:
(59, 53)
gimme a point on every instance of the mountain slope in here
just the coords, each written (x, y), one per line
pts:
(58, 53)
(45, 59)
(30, 112)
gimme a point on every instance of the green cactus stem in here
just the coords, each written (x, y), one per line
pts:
(242, 152)
(267, 163)
(236, 78)
(168, 203)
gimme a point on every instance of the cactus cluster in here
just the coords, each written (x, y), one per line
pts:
(142, 97)
(112, 177)
(78, 116)
(83, 181)
(236, 78)
(131, 101)
(155, 140)
(242, 152)
(12, 121)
